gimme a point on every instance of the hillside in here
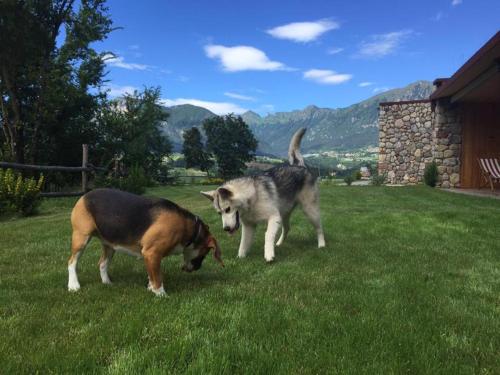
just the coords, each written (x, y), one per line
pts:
(182, 117)
(348, 128)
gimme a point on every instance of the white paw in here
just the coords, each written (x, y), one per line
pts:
(279, 243)
(73, 287)
(160, 292)
(241, 256)
(321, 242)
(107, 281)
(269, 258)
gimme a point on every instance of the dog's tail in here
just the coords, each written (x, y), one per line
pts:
(294, 155)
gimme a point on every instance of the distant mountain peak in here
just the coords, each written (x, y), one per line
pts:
(251, 117)
(311, 107)
(251, 113)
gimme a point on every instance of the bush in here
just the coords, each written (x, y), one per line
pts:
(212, 181)
(349, 179)
(163, 175)
(357, 175)
(431, 174)
(19, 194)
(378, 179)
(135, 182)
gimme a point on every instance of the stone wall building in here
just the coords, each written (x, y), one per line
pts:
(405, 140)
(458, 124)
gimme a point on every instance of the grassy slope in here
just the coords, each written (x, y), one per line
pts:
(409, 282)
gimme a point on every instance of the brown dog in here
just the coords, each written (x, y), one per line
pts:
(150, 228)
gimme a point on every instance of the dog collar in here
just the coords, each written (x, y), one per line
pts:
(197, 228)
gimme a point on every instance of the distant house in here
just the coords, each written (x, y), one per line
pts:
(459, 123)
(365, 172)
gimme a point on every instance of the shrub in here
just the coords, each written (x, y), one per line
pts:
(212, 181)
(357, 175)
(135, 182)
(163, 175)
(349, 179)
(18, 193)
(431, 174)
(378, 179)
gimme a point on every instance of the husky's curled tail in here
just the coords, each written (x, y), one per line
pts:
(294, 155)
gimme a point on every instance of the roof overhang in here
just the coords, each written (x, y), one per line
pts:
(477, 80)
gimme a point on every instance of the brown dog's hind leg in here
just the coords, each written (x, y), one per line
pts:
(104, 261)
(78, 243)
(83, 228)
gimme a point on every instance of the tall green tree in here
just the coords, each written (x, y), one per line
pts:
(49, 80)
(232, 143)
(194, 151)
(130, 130)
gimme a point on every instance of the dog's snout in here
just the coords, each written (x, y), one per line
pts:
(227, 229)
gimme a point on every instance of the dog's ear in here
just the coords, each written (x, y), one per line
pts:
(209, 194)
(212, 243)
(225, 193)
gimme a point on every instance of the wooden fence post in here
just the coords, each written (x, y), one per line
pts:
(85, 159)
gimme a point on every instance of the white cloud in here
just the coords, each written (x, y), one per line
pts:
(366, 84)
(380, 89)
(239, 96)
(239, 58)
(327, 77)
(133, 46)
(119, 62)
(219, 108)
(456, 2)
(115, 91)
(383, 44)
(303, 32)
(334, 50)
(438, 16)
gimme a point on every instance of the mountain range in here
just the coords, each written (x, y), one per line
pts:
(347, 129)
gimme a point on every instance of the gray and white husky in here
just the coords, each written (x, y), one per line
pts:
(270, 196)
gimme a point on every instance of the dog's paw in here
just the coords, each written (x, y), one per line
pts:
(73, 288)
(269, 259)
(321, 241)
(241, 256)
(160, 292)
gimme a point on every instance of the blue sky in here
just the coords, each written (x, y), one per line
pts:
(272, 56)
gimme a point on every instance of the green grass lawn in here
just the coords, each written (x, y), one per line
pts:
(409, 283)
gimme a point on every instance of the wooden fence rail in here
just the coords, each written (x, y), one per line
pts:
(49, 168)
(84, 169)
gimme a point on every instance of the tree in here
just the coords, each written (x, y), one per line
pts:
(49, 85)
(194, 151)
(232, 143)
(130, 130)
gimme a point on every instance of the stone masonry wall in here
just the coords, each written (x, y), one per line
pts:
(447, 142)
(406, 135)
